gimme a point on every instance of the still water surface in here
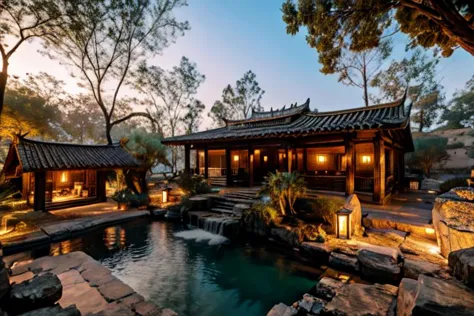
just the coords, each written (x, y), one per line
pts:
(193, 277)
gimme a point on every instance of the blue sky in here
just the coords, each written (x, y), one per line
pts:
(229, 37)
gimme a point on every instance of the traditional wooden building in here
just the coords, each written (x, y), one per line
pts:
(58, 175)
(358, 150)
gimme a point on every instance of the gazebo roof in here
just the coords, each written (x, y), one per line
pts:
(299, 121)
(32, 155)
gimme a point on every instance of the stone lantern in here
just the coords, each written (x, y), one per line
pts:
(165, 194)
(343, 222)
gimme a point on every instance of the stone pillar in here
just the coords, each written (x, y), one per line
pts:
(228, 166)
(206, 163)
(350, 166)
(379, 170)
(40, 191)
(187, 159)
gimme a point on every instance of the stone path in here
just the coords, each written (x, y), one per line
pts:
(88, 285)
(67, 229)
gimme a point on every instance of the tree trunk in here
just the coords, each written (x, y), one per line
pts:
(364, 78)
(420, 129)
(108, 129)
(3, 85)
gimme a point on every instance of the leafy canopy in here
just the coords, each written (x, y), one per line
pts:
(460, 112)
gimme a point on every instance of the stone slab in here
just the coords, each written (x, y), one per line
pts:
(406, 296)
(21, 277)
(343, 262)
(86, 298)
(413, 268)
(461, 263)
(21, 242)
(115, 290)
(70, 278)
(282, 310)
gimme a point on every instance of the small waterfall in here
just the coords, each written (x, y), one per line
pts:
(216, 230)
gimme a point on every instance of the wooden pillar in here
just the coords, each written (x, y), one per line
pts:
(401, 167)
(350, 166)
(206, 163)
(250, 159)
(228, 166)
(40, 191)
(101, 190)
(305, 160)
(187, 159)
(288, 167)
(295, 155)
(379, 170)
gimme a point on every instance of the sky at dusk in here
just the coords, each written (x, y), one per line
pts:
(227, 38)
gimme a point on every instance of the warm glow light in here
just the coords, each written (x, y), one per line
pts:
(257, 151)
(321, 158)
(429, 231)
(265, 158)
(64, 176)
(236, 158)
(366, 159)
(342, 223)
(165, 196)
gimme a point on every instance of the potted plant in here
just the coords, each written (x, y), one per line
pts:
(122, 197)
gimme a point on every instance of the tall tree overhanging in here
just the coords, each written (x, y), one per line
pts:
(238, 101)
(460, 112)
(447, 24)
(192, 117)
(108, 40)
(417, 74)
(23, 21)
(172, 91)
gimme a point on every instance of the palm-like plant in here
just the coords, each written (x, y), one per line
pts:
(284, 188)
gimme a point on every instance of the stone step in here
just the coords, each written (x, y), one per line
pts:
(221, 210)
(236, 200)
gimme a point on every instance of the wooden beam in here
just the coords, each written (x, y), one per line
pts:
(379, 170)
(350, 166)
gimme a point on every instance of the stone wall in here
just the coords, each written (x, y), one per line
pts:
(453, 219)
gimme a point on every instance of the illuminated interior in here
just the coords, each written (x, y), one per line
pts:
(321, 158)
(366, 159)
(68, 185)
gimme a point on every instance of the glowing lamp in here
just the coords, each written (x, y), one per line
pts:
(165, 195)
(343, 223)
(265, 158)
(429, 231)
(321, 158)
(257, 151)
(366, 159)
(64, 176)
(236, 157)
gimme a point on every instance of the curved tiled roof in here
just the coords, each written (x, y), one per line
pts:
(38, 155)
(393, 115)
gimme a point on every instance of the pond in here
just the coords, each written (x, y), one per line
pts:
(195, 277)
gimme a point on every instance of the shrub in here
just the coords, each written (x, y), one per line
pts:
(122, 196)
(455, 145)
(137, 200)
(192, 185)
(320, 210)
(470, 152)
(452, 183)
(428, 152)
(263, 212)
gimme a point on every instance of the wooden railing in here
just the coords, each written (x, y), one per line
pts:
(213, 172)
(364, 184)
(329, 183)
(389, 184)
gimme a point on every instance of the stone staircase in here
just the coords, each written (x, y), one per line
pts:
(224, 204)
(218, 181)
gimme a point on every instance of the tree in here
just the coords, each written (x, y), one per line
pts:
(429, 151)
(22, 21)
(192, 118)
(460, 112)
(417, 74)
(447, 24)
(239, 101)
(172, 91)
(108, 40)
(358, 68)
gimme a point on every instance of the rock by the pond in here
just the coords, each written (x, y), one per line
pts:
(310, 305)
(413, 268)
(316, 250)
(406, 296)
(282, 310)
(41, 291)
(240, 208)
(461, 263)
(4, 281)
(441, 297)
(379, 267)
(55, 310)
(344, 262)
(453, 219)
(158, 212)
(362, 299)
(327, 288)
(353, 204)
(289, 235)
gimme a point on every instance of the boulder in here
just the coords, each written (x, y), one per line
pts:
(4, 281)
(413, 268)
(327, 288)
(442, 297)
(353, 204)
(385, 236)
(41, 291)
(287, 234)
(55, 310)
(282, 310)
(200, 203)
(318, 251)
(379, 267)
(310, 304)
(461, 263)
(453, 219)
(362, 299)
(343, 262)
(240, 208)
(406, 296)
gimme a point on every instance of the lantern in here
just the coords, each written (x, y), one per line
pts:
(265, 158)
(165, 195)
(236, 158)
(366, 159)
(343, 223)
(321, 158)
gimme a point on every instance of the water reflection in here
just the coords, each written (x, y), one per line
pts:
(194, 278)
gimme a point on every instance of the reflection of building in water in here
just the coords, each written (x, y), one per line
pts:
(115, 238)
(65, 247)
